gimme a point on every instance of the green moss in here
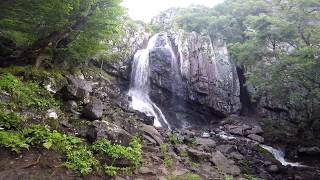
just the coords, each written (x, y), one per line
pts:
(174, 139)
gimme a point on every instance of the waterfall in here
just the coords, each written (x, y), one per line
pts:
(279, 155)
(140, 85)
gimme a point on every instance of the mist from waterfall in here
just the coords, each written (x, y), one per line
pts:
(140, 85)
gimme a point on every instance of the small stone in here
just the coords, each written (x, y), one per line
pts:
(198, 155)
(256, 138)
(255, 130)
(273, 168)
(52, 114)
(236, 155)
(179, 172)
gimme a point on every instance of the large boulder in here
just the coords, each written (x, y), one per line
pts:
(93, 110)
(77, 89)
(224, 164)
(110, 131)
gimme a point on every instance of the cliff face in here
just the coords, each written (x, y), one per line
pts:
(196, 69)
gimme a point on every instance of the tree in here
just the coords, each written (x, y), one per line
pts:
(44, 26)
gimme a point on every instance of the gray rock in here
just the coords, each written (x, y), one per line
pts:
(198, 155)
(224, 164)
(93, 110)
(256, 138)
(110, 131)
(206, 75)
(273, 168)
(239, 130)
(255, 130)
(77, 89)
(146, 171)
(151, 132)
(206, 142)
(71, 106)
(236, 155)
(309, 150)
(226, 149)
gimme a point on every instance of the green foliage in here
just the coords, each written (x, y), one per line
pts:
(75, 29)
(9, 120)
(187, 176)
(81, 160)
(174, 139)
(133, 153)
(164, 148)
(14, 141)
(228, 177)
(26, 94)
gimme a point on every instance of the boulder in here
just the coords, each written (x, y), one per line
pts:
(198, 155)
(238, 130)
(206, 142)
(77, 89)
(71, 106)
(110, 131)
(309, 150)
(93, 110)
(151, 132)
(273, 168)
(224, 164)
(256, 138)
(255, 130)
(226, 149)
(146, 171)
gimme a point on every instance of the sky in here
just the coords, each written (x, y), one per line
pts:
(146, 9)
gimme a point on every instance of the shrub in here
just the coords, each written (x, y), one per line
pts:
(26, 94)
(164, 148)
(81, 160)
(14, 141)
(9, 120)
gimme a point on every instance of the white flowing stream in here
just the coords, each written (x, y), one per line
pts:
(140, 85)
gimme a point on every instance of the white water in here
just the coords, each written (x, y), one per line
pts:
(279, 155)
(140, 85)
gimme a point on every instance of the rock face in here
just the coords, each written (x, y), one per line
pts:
(93, 110)
(196, 69)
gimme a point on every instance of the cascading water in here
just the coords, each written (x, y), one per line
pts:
(140, 85)
(279, 155)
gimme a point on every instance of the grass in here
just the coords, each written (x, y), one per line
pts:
(9, 120)
(187, 176)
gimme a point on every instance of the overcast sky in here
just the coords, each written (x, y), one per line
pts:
(146, 9)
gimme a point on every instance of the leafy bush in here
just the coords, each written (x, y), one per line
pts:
(132, 153)
(9, 120)
(14, 141)
(81, 160)
(26, 94)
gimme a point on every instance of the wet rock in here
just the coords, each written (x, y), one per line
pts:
(255, 130)
(309, 150)
(148, 120)
(198, 155)
(77, 89)
(180, 148)
(273, 168)
(110, 131)
(151, 132)
(224, 164)
(93, 110)
(256, 138)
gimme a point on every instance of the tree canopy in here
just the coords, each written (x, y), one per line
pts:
(77, 28)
